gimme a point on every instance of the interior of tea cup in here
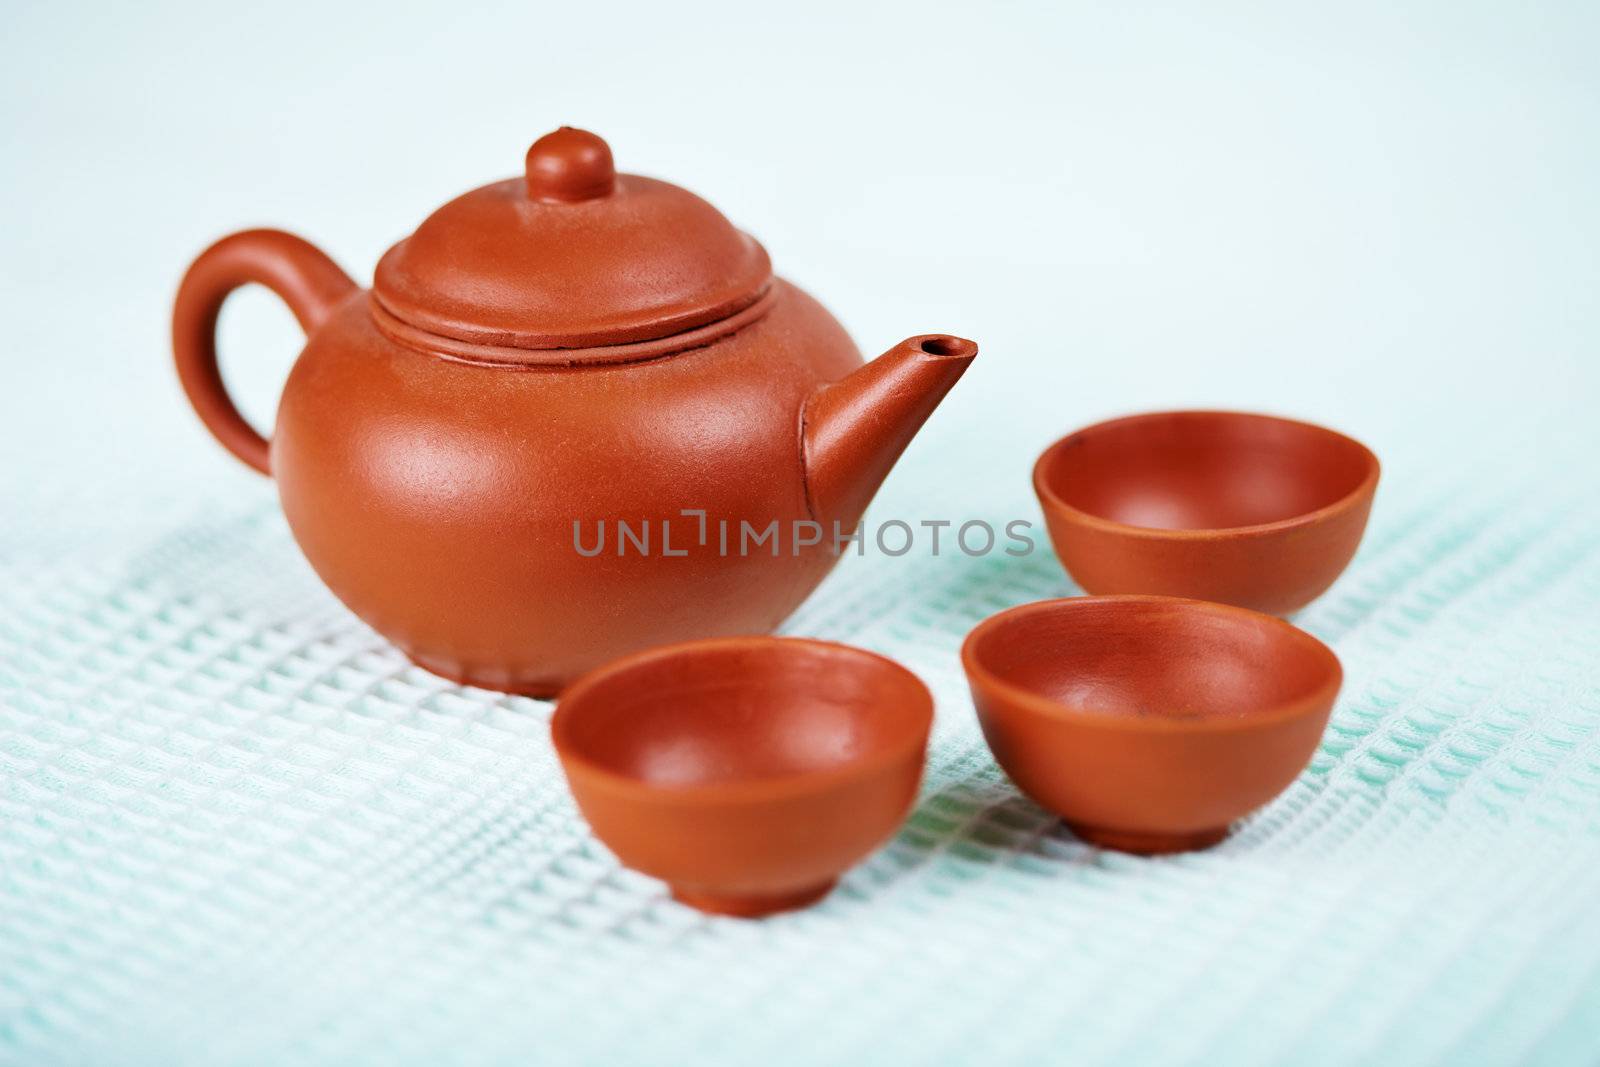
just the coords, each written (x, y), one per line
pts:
(1190, 470)
(1153, 658)
(743, 710)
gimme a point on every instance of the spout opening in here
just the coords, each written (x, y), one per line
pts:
(855, 428)
(946, 347)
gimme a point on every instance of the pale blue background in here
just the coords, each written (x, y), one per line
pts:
(236, 828)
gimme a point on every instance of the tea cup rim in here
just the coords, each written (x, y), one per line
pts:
(1365, 488)
(1036, 703)
(773, 787)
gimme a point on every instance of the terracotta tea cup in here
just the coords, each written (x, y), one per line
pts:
(1242, 509)
(1149, 723)
(746, 772)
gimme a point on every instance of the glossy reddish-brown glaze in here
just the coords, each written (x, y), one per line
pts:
(1149, 723)
(1244, 509)
(747, 773)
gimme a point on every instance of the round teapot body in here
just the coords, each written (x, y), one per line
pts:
(512, 526)
(575, 416)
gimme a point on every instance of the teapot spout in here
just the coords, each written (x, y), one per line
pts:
(854, 429)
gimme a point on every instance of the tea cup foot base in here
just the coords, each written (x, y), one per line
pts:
(745, 906)
(1147, 843)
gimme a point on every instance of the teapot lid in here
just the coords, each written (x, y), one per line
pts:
(571, 255)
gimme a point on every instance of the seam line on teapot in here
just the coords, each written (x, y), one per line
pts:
(512, 358)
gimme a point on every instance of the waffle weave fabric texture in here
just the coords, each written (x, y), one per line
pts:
(237, 828)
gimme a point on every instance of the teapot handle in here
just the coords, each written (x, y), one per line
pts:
(302, 276)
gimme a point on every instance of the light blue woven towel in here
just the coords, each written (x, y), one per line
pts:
(236, 828)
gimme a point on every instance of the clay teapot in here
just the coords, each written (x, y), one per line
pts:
(557, 428)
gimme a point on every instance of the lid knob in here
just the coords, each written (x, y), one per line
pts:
(570, 165)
